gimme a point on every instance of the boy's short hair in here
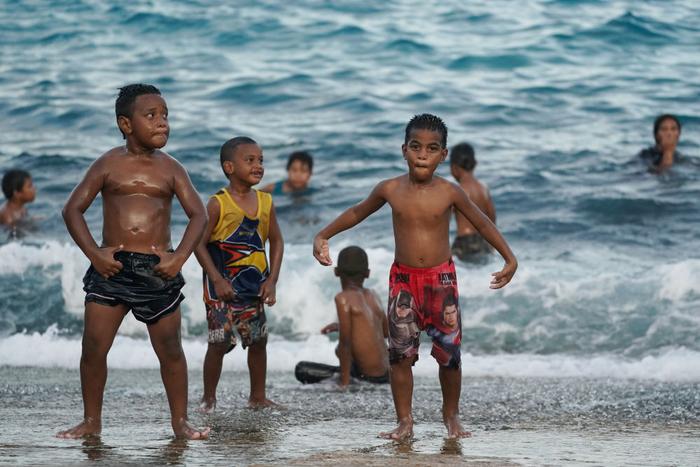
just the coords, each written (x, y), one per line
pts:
(124, 105)
(303, 157)
(660, 119)
(352, 261)
(13, 181)
(228, 149)
(462, 155)
(427, 122)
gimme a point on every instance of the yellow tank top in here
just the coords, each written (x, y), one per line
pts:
(237, 245)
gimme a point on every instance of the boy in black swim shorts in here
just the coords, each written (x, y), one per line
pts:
(136, 268)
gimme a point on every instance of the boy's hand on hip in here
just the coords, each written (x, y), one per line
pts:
(268, 291)
(104, 263)
(502, 277)
(224, 290)
(321, 252)
(169, 265)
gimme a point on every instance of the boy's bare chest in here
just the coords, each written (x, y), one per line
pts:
(420, 208)
(136, 179)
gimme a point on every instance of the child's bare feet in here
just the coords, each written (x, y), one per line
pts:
(87, 427)
(263, 403)
(454, 428)
(183, 429)
(402, 432)
(207, 405)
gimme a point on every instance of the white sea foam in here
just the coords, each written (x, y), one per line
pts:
(51, 350)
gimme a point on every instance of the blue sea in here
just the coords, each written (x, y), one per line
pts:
(557, 97)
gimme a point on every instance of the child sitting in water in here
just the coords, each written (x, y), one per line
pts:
(300, 166)
(362, 325)
(19, 190)
(238, 280)
(422, 205)
(469, 244)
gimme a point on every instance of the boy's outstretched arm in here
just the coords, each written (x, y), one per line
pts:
(268, 290)
(349, 218)
(344, 339)
(489, 231)
(171, 263)
(80, 199)
(222, 287)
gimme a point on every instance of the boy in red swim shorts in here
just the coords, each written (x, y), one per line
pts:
(423, 283)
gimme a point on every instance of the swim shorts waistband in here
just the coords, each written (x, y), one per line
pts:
(429, 270)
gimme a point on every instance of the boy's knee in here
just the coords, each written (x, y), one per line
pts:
(259, 345)
(93, 347)
(219, 349)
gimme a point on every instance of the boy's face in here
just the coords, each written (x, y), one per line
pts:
(148, 125)
(423, 152)
(27, 193)
(246, 165)
(449, 316)
(298, 175)
(668, 133)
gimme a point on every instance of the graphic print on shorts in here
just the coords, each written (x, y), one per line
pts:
(424, 299)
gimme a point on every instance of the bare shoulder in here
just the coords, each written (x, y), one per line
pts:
(390, 185)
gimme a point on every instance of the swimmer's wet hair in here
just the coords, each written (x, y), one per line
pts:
(228, 149)
(462, 155)
(660, 119)
(427, 122)
(13, 181)
(303, 157)
(124, 105)
(352, 261)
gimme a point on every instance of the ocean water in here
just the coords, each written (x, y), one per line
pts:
(557, 98)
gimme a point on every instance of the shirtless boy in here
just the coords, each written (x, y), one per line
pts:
(361, 324)
(468, 244)
(18, 188)
(422, 205)
(135, 268)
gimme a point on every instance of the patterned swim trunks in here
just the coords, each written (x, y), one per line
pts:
(424, 299)
(247, 318)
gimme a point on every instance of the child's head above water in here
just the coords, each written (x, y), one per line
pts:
(300, 166)
(352, 264)
(241, 159)
(667, 126)
(17, 184)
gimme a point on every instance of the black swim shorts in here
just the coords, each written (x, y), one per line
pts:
(147, 295)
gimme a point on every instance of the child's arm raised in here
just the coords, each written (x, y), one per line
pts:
(80, 199)
(489, 231)
(348, 219)
(268, 290)
(171, 263)
(222, 287)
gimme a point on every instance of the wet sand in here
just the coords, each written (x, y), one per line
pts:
(514, 421)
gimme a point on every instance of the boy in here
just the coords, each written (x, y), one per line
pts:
(362, 325)
(469, 245)
(19, 190)
(300, 166)
(421, 207)
(135, 268)
(237, 277)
